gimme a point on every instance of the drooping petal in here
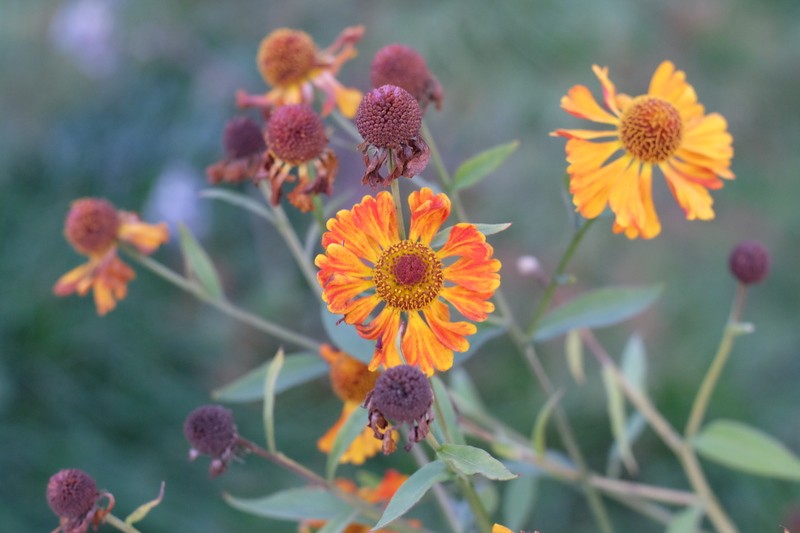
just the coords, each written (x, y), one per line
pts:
(362, 448)
(585, 134)
(625, 199)
(650, 226)
(421, 348)
(585, 157)
(609, 91)
(428, 212)
(479, 276)
(670, 84)
(145, 237)
(451, 334)
(79, 280)
(469, 303)
(591, 190)
(359, 310)
(580, 102)
(693, 198)
(384, 328)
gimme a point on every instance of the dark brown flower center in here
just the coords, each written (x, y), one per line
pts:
(296, 134)
(286, 56)
(91, 225)
(388, 117)
(408, 276)
(242, 138)
(651, 129)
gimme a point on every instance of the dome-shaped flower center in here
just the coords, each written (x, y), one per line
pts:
(91, 225)
(402, 394)
(408, 276)
(210, 430)
(388, 117)
(651, 129)
(286, 56)
(400, 65)
(71, 493)
(351, 379)
(296, 134)
(242, 138)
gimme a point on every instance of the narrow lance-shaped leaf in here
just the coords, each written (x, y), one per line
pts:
(634, 362)
(239, 200)
(597, 309)
(469, 460)
(473, 170)
(444, 404)
(297, 369)
(519, 499)
(143, 510)
(573, 346)
(198, 265)
(270, 380)
(348, 432)
(745, 448)
(616, 414)
(538, 438)
(412, 491)
(292, 504)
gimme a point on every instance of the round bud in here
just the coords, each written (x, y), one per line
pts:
(242, 138)
(749, 262)
(296, 134)
(286, 56)
(402, 394)
(210, 430)
(388, 117)
(71, 493)
(91, 225)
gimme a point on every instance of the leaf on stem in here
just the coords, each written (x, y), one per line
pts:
(573, 347)
(239, 200)
(685, 521)
(474, 169)
(616, 414)
(748, 449)
(198, 265)
(597, 309)
(469, 460)
(297, 369)
(464, 393)
(539, 438)
(270, 382)
(292, 504)
(412, 490)
(443, 402)
(519, 498)
(351, 429)
(142, 511)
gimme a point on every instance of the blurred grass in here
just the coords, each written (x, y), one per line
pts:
(151, 87)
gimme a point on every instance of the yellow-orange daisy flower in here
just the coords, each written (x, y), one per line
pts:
(368, 268)
(94, 228)
(290, 62)
(497, 528)
(665, 128)
(351, 381)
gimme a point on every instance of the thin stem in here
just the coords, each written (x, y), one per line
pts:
(439, 493)
(398, 206)
(226, 307)
(706, 389)
(474, 501)
(699, 483)
(444, 175)
(286, 230)
(549, 291)
(121, 525)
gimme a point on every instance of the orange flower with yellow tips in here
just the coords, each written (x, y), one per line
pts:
(665, 128)
(351, 381)
(290, 62)
(94, 228)
(367, 269)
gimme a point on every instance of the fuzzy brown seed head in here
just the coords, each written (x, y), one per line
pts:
(749, 262)
(210, 430)
(91, 225)
(286, 56)
(296, 134)
(351, 379)
(388, 117)
(404, 67)
(402, 394)
(242, 138)
(71, 493)
(651, 129)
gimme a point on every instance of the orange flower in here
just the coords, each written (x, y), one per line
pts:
(497, 528)
(666, 128)
(290, 62)
(95, 228)
(351, 381)
(366, 266)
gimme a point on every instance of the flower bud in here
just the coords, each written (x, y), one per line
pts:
(71, 493)
(749, 262)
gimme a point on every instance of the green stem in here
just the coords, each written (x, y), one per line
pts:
(444, 176)
(716, 514)
(116, 523)
(474, 501)
(398, 205)
(549, 291)
(717, 365)
(439, 493)
(226, 307)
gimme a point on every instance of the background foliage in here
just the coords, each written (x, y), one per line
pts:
(127, 100)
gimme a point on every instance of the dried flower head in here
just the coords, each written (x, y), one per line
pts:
(245, 150)
(389, 119)
(749, 262)
(290, 62)
(397, 64)
(402, 395)
(73, 496)
(297, 140)
(211, 431)
(351, 380)
(94, 228)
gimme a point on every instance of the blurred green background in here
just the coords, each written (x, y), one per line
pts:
(126, 100)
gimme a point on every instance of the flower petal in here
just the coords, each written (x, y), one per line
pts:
(480, 276)
(579, 102)
(670, 84)
(421, 348)
(591, 190)
(691, 196)
(609, 91)
(585, 134)
(145, 237)
(384, 328)
(450, 334)
(428, 212)
(467, 241)
(471, 304)
(362, 448)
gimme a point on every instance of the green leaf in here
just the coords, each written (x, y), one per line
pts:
(487, 229)
(519, 498)
(633, 430)
(339, 523)
(292, 504)
(597, 309)
(270, 381)
(198, 265)
(634, 362)
(297, 369)
(538, 438)
(573, 346)
(686, 521)
(239, 200)
(450, 423)
(345, 337)
(464, 393)
(616, 414)
(143, 510)
(478, 167)
(412, 490)
(351, 429)
(470, 460)
(745, 448)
